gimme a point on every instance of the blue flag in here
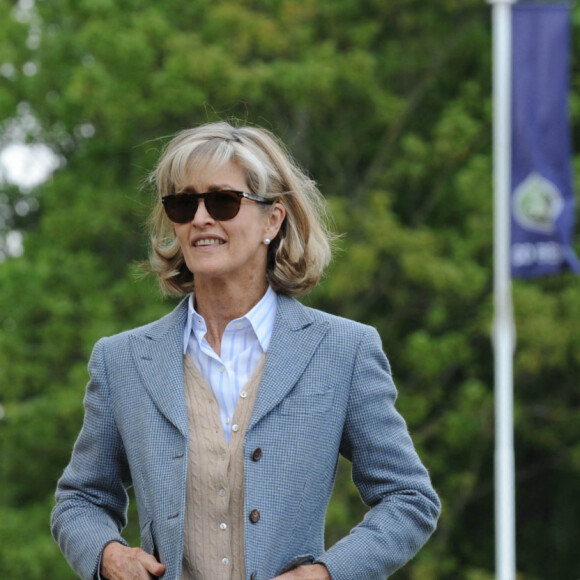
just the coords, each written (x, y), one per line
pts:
(542, 193)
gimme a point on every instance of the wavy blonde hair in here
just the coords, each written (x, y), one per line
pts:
(301, 250)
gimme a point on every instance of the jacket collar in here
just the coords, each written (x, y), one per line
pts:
(158, 352)
(297, 334)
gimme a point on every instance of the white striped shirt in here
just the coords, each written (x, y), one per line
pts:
(244, 342)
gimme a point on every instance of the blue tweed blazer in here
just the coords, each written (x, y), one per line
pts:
(326, 389)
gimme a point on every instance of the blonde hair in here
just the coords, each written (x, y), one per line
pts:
(301, 250)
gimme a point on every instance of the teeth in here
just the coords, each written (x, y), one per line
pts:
(208, 242)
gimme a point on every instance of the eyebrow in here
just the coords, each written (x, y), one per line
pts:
(191, 189)
(219, 187)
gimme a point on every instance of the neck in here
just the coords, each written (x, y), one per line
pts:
(221, 302)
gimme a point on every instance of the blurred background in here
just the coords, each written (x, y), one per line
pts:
(388, 106)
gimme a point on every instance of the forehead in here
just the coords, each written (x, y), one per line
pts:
(208, 176)
(191, 158)
(203, 161)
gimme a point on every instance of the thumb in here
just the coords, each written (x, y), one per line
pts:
(153, 566)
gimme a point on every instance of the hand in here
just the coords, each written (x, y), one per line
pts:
(122, 563)
(314, 572)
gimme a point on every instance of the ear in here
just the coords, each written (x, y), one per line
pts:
(275, 220)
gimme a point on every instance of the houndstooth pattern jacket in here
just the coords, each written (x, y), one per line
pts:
(326, 390)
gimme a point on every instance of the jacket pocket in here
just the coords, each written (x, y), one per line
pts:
(307, 402)
(148, 539)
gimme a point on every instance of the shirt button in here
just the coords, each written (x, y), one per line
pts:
(254, 516)
(228, 420)
(243, 394)
(235, 428)
(225, 561)
(223, 526)
(257, 454)
(238, 325)
(222, 369)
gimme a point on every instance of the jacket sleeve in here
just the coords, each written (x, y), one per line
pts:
(387, 472)
(91, 497)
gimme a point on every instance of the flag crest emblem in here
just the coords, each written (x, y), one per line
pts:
(537, 204)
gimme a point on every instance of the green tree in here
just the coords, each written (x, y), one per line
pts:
(388, 105)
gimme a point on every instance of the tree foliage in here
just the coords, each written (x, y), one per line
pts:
(388, 106)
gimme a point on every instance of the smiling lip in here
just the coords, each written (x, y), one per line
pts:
(204, 242)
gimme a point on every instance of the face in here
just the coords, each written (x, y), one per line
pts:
(231, 251)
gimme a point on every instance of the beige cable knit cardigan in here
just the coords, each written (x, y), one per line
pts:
(214, 518)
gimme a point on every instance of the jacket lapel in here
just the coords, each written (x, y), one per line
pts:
(158, 353)
(295, 338)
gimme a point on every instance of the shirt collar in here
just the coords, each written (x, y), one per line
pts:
(261, 318)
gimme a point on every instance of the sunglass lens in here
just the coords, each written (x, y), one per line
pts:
(223, 205)
(180, 208)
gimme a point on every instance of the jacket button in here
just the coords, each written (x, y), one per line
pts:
(257, 454)
(254, 516)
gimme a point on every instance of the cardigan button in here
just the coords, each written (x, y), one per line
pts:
(257, 454)
(254, 516)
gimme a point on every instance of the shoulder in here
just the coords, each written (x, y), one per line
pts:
(294, 310)
(343, 342)
(155, 330)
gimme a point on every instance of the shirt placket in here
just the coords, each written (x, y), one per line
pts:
(222, 518)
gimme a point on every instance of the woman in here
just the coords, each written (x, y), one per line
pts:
(229, 414)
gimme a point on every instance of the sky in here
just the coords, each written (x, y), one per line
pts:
(26, 166)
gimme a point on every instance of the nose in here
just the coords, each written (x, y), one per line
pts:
(201, 214)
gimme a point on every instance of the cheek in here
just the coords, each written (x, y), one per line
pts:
(181, 233)
(253, 240)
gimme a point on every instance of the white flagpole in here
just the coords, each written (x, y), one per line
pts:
(503, 328)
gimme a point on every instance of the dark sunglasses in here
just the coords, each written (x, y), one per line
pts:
(221, 205)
